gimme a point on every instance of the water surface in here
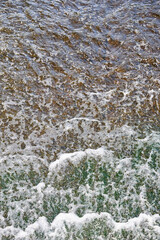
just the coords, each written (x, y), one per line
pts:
(79, 119)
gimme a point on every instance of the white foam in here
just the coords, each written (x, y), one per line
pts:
(82, 118)
(137, 221)
(64, 158)
(21, 235)
(124, 164)
(39, 187)
(71, 218)
(75, 157)
(68, 217)
(40, 223)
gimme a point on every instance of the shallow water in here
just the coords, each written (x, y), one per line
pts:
(79, 119)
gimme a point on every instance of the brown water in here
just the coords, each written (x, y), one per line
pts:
(76, 59)
(74, 75)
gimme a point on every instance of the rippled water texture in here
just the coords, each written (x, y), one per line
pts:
(79, 119)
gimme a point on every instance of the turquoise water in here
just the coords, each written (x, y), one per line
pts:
(79, 120)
